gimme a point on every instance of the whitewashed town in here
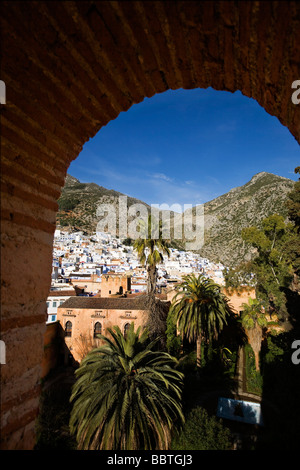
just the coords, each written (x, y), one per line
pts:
(80, 261)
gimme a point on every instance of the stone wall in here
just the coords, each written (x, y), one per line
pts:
(70, 68)
(239, 297)
(112, 284)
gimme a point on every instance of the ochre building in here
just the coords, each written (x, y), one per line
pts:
(84, 318)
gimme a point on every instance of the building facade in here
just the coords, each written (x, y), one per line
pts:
(84, 318)
(115, 283)
(54, 300)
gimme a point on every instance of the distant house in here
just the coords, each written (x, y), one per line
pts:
(83, 318)
(54, 300)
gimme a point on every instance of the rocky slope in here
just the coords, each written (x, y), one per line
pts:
(78, 204)
(241, 207)
(224, 218)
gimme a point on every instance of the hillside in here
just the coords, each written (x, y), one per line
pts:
(241, 207)
(225, 216)
(79, 201)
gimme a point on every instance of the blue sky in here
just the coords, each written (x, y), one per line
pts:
(187, 147)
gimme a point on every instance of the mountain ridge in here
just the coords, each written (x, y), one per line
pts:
(243, 206)
(224, 216)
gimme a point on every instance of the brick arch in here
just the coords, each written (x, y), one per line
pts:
(70, 68)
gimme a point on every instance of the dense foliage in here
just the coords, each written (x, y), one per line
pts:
(202, 432)
(68, 203)
(127, 396)
(274, 266)
(293, 202)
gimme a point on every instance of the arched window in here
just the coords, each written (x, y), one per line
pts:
(68, 328)
(126, 328)
(97, 329)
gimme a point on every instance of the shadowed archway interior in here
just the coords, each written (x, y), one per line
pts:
(69, 69)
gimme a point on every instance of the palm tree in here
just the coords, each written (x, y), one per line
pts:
(127, 396)
(254, 320)
(200, 309)
(150, 251)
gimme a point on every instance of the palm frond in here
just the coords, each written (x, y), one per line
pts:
(126, 396)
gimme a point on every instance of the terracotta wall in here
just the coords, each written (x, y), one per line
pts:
(239, 297)
(236, 298)
(83, 323)
(111, 284)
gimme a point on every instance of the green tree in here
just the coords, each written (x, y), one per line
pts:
(273, 264)
(202, 432)
(254, 320)
(151, 250)
(127, 396)
(293, 245)
(200, 309)
(173, 341)
(52, 429)
(293, 202)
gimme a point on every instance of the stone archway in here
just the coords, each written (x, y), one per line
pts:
(70, 68)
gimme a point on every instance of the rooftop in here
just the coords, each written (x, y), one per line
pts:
(113, 303)
(61, 293)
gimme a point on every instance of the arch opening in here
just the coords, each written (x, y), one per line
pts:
(97, 329)
(126, 329)
(198, 133)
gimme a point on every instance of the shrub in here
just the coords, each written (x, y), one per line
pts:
(254, 380)
(173, 340)
(202, 432)
(67, 203)
(274, 352)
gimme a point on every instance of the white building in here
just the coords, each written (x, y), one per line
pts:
(55, 299)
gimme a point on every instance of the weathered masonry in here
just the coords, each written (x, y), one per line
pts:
(71, 67)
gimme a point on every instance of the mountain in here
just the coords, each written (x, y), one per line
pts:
(246, 205)
(79, 201)
(224, 217)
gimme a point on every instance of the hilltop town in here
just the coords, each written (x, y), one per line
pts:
(98, 282)
(80, 261)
